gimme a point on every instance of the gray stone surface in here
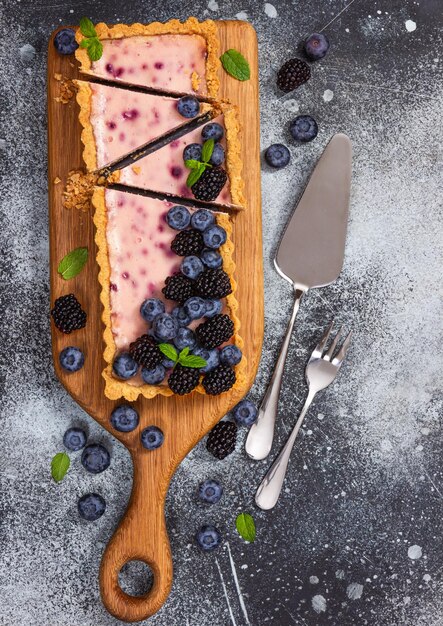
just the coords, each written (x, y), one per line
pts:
(357, 536)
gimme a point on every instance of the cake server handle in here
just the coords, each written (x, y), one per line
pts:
(261, 435)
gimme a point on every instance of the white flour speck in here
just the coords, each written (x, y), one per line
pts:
(2, 144)
(425, 431)
(347, 30)
(313, 580)
(415, 552)
(340, 574)
(354, 591)
(410, 26)
(242, 15)
(270, 10)
(292, 105)
(328, 95)
(27, 53)
(213, 5)
(319, 604)
(386, 445)
(426, 578)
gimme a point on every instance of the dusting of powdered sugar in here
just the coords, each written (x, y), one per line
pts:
(270, 10)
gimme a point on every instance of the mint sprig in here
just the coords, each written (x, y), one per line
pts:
(235, 64)
(91, 42)
(59, 466)
(246, 527)
(198, 167)
(72, 263)
(184, 358)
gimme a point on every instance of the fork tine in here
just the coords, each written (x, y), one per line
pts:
(340, 356)
(330, 352)
(318, 350)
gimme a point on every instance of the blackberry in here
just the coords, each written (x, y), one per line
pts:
(188, 243)
(178, 288)
(213, 284)
(222, 439)
(209, 185)
(145, 352)
(292, 74)
(68, 314)
(183, 379)
(219, 380)
(215, 331)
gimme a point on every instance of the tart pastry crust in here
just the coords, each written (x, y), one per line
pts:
(115, 388)
(191, 26)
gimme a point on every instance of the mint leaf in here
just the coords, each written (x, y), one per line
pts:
(191, 360)
(246, 526)
(195, 175)
(169, 351)
(84, 43)
(235, 64)
(59, 466)
(95, 48)
(87, 27)
(207, 150)
(192, 164)
(73, 263)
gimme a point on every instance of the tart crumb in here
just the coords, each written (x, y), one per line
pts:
(79, 190)
(195, 81)
(136, 169)
(67, 89)
(57, 180)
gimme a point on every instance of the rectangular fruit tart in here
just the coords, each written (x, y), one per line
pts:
(168, 292)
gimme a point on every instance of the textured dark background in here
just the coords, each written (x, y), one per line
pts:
(365, 488)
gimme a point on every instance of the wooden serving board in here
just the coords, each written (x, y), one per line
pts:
(141, 534)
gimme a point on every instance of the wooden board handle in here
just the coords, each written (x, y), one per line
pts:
(141, 536)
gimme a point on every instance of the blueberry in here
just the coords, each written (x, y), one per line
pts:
(193, 151)
(195, 307)
(154, 376)
(181, 316)
(74, 439)
(165, 327)
(212, 131)
(211, 258)
(64, 41)
(304, 128)
(95, 458)
(178, 217)
(124, 418)
(208, 538)
(214, 237)
(185, 339)
(91, 506)
(188, 106)
(152, 438)
(124, 366)
(277, 155)
(245, 413)
(212, 358)
(210, 491)
(71, 359)
(168, 363)
(192, 267)
(202, 218)
(150, 308)
(218, 155)
(230, 355)
(213, 308)
(316, 46)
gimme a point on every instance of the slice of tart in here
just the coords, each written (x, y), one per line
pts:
(139, 254)
(118, 121)
(174, 57)
(164, 170)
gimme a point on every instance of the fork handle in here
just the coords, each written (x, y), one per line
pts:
(260, 437)
(271, 485)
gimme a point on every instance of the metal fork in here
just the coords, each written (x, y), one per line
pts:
(321, 370)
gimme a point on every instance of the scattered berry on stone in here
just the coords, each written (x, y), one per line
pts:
(245, 413)
(304, 128)
(277, 156)
(292, 74)
(91, 506)
(74, 439)
(95, 458)
(68, 314)
(222, 439)
(210, 491)
(208, 538)
(316, 46)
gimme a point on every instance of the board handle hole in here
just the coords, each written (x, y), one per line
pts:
(136, 578)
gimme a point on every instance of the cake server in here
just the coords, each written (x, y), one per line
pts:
(310, 255)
